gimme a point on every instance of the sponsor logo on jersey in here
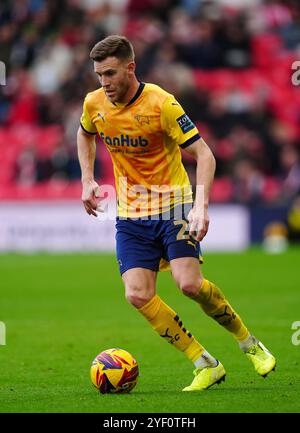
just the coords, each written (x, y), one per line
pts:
(185, 123)
(124, 141)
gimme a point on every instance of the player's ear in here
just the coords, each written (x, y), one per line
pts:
(131, 67)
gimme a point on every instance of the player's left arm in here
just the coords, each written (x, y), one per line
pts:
(206, 165)
(177, 124)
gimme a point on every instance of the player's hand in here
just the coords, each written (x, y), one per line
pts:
(199, 222)
(90, 194)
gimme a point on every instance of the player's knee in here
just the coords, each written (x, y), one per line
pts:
(138, 298)
(191, 288)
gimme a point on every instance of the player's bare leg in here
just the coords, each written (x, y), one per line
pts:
(140, 286)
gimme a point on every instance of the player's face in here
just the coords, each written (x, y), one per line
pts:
(115, 77)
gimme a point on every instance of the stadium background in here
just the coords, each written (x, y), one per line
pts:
(229, 63)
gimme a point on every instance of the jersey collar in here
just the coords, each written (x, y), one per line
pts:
(138, 92)
(132, 100)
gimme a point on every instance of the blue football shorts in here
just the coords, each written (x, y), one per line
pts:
(152, 243)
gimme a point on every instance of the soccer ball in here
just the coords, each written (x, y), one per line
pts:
(114, 371)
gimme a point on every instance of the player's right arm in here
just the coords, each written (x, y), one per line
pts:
(86, 147)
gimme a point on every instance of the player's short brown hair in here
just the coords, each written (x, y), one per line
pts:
(112, 46)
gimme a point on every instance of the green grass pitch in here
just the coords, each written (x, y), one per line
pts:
(60, 311)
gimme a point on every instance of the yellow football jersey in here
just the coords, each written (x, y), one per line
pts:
(143, 138)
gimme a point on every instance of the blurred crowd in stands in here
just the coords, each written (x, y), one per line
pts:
(228, 62)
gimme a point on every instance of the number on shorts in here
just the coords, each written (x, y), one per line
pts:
(181, 234)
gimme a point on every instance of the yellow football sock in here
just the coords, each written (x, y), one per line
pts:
(169, 326)
(215, 305)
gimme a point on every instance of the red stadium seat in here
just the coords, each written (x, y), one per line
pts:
(271, 189)
(266, 49)
(222, 190)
